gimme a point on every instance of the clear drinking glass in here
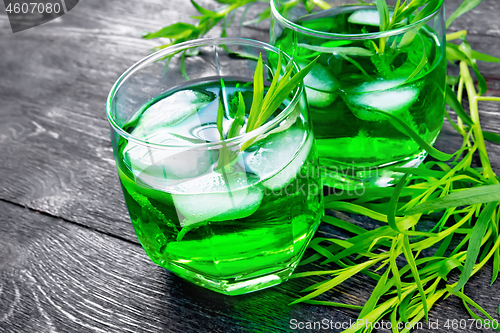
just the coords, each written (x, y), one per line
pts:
(233, 229)
(362, 73)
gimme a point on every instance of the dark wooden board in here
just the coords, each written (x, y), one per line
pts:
(77, 266)
(56, 276)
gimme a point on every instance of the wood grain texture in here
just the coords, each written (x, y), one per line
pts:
(54, 133)
(82, 270)
(59, 277)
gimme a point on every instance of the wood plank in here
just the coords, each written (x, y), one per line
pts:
(59, 277)
(54, 134)
(55, 166)
(56, 276)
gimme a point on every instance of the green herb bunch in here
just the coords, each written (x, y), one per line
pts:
(458, 199)
(439, 226)
(208, 19)
(264, 105)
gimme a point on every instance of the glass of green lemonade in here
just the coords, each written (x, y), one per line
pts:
(234, 229)
(363, 79)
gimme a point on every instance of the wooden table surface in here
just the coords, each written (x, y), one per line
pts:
(69, 257)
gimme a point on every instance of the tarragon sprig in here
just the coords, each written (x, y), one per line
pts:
(208, 19)
(264, 105)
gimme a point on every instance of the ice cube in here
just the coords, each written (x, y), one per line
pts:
(368, 17)
(320, 78)
(279, 157)
(320, 86)
(386, 95)
(217, 197)
(380, 84)
(320, 99)
(172, 110)
(155, 165)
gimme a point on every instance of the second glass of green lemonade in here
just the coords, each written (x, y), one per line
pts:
(362, 75)
(236, 228)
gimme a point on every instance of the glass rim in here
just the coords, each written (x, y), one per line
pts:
(372, 35)
(240, 139)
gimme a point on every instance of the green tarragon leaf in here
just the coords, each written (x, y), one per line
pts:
(258, 93)
(452, 101)
(453, 53)
(393, 204)
(413, 266)
(343, 225)
(470, 196)
(466, 301)
(239, 119)
(490, 136)
(439, 155)
(448, 266)
(484, 57)
(228, 2)
(421, 64)
(204, 11)
(467, 50)
(376, 294)
(464, 7)
(383, 12)
(475, 244)
(324, 286)
(176, 30)
(350, 51)
(285, 87)
(266, 14)
(430, 7)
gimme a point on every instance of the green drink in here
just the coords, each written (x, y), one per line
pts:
(353, 81)
(232, 229)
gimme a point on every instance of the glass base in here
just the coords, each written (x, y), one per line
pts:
(234, 287)
(347, 177)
